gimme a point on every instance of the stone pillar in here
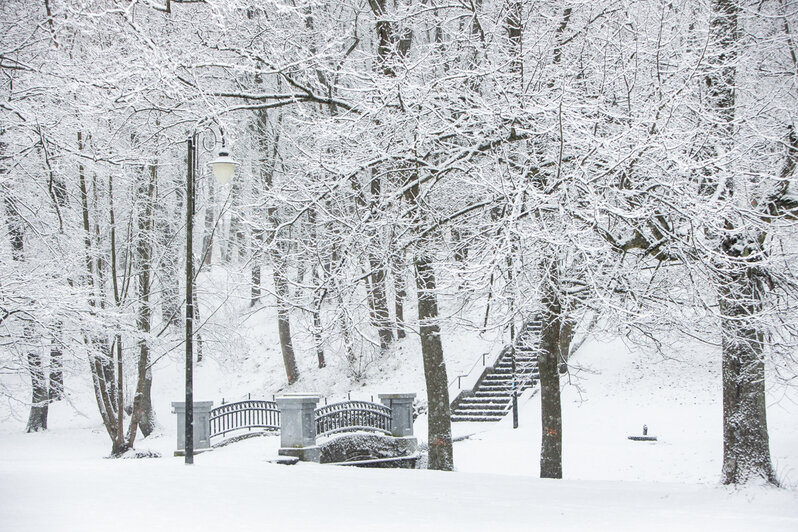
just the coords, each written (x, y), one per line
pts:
(202, 424)
(401, 405)
(298, 426)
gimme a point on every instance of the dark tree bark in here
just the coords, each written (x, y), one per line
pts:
(257, 259)
(168, 269)
(567, 330)
(40, 396)
(142, 401)
(381, 316)
(746, 444)
(277, 247)
(198, 344)
(236, 236)
(741, 281)
(441, 454)
(318, 340)
(101, 353)
(399, 298)
(56, 365)
(210, 221)
(548, 359)
(283, 319)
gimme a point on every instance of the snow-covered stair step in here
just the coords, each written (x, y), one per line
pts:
(494, 378)
(458, 417)
(491, 393)
(495, 407)
(508, 368)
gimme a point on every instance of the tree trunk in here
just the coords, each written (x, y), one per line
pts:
(37, 419)
(40, 397)
(548, 358)
(381, 316)
(283, 320)
(746, 445)
(318, 340)
(56, 365)
(399, 298)
(236, 236)
(277, 249)
(257, 260)
(142, 402)
(567, 330)
(441, 455)
(169, 266)
(198, 343)
(207, 237)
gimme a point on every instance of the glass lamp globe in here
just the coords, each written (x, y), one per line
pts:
(223, 167)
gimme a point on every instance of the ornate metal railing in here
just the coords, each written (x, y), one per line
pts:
(249, 414)
(353, 416)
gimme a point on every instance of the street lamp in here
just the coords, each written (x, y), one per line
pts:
(223, 168)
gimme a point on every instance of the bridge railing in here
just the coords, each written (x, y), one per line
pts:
(298, 420)
(351, 416)
(249, 414)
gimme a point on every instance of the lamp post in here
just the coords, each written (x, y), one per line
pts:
(515, 390)
(223, 168)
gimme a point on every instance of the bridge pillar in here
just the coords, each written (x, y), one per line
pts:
(401, 405)
(202, 424)
(298, 426)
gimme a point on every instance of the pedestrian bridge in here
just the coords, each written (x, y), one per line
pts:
(305, 428)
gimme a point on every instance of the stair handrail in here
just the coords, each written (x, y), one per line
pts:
(458, 378)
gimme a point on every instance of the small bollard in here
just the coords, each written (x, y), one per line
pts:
(644, 437)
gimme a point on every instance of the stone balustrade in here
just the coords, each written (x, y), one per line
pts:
(298, 423)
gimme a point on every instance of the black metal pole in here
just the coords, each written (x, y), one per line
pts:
(189, 447)
(515, 390)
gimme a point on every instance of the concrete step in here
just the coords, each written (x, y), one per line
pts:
(501, 374)
(479, 419)
(508, 369)
(494, 394)
(509, 364)
(483, 401)
(491, 415)
(497, 388)
(508, 377)
(482, 407)
(519, 360)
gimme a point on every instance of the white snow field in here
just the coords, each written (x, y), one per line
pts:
(59, 480)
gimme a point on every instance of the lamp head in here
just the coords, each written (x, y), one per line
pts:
(223, 167)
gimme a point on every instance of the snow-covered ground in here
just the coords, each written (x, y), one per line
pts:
(59, 480)
(235, 489)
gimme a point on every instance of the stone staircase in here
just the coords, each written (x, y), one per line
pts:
(491, 397)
